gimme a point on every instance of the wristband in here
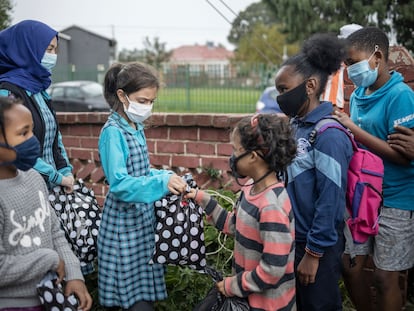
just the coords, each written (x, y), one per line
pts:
(312, 253)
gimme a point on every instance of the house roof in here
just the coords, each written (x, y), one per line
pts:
(112, 41)
(200, 52)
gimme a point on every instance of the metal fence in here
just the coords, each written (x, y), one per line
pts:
(229, 88)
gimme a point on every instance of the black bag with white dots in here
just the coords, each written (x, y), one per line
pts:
(52, 295)
(80, 216)
(179, 236)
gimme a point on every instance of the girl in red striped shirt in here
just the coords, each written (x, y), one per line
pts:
(261, 222)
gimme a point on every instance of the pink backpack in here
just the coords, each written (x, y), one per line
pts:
(364, 186)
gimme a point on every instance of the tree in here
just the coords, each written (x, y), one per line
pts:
(244, 23)
(264, 44)
(5, 9)
(155, 52)
(131, 55)
(301, 18)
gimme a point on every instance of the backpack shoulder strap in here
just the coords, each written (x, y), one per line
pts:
(330, 122)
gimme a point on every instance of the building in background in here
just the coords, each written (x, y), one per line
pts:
(83, 55)
(207, 61)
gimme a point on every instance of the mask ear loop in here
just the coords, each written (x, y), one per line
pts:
(376, 49)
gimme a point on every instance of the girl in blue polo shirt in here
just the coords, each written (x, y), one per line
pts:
(380, 103)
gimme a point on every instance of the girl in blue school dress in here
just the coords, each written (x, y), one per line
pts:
(126, 237)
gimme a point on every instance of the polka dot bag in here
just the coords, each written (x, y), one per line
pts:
(80, 216)
(52, 295)
(179, 237)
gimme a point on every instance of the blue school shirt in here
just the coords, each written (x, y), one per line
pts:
(378, 113)
(126, 235)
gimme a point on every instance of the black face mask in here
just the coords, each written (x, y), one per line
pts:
(233, 164)
(291, 102)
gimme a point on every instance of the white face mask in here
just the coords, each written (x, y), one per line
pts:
(49, 61)
(137, 112)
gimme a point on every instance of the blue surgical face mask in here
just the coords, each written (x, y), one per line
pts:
(26, 153)
(49, 61)
(361, 73)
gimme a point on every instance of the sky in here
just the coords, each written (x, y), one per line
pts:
(174, 22)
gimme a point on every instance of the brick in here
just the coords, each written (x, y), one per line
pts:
(170, 147)
(224, 149)
(97, 175)
(215, 135)
(86, 171)
(95, 130)
(81, 130)
(200, 148)
(157, 132)
(203, 120)
(185, 161)
(89, 142)
(71, 141)
(81, 154)
(183, 133)
(221, 121)
(159, 160)
(77, 165)
(95, 156)
(220, 163)
(188, 120)
(157, 119)
(151, 146)
(172, 119)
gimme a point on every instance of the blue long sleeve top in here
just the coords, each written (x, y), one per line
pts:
(140, 185)
(317, 181)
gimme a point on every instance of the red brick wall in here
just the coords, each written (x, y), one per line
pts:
(196, 143)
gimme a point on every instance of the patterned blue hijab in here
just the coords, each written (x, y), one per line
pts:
(22, 47)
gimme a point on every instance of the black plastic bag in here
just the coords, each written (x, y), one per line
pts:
(215, 301)
(179, 235)
(52, 295)
(80, 215)
(234, 304)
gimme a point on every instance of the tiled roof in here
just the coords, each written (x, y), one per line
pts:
(200, 52)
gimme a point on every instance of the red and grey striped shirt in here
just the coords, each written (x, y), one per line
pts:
(264, 233)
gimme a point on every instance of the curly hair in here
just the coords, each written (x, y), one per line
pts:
(272, 135)
(321, 55)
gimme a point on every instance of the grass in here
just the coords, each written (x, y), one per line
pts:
(211, 100)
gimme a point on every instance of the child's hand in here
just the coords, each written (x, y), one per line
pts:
(67, 182)
(78, 288)
(220, 288)
(60, 271)
(176, 184)
(192, 194)
(343, 118)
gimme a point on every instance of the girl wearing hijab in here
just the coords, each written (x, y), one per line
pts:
(28, 52)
